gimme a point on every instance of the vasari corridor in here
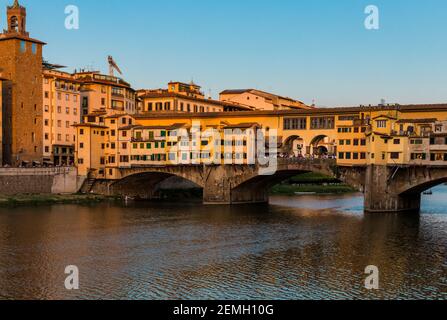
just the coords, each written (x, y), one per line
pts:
(118, 182)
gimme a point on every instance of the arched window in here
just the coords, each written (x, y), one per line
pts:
(14, 24)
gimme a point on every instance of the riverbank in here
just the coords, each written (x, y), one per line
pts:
(48, 199)
(311, 183)
(290, 190)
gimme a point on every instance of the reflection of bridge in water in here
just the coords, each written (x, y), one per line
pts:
(386, 188)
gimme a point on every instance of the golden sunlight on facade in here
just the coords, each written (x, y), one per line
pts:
(61, 110)
(352, 136)
(183, 98)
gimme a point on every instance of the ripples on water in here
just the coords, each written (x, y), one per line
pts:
(309, 247)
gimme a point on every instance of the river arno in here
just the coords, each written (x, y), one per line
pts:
(306, 247)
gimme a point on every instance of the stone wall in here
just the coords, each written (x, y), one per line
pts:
(39, 181)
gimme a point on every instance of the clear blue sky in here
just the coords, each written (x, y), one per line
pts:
(305, 49)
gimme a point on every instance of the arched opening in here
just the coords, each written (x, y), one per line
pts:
(430, 196)
(322, 147)
(156, 186)
(14, 24)
(294, 146)
(260, 188)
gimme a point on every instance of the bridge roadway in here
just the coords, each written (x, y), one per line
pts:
(386, 188)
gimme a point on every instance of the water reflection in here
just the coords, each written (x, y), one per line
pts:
(297, 248)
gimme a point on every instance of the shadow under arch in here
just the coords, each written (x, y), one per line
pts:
(422, 187)
(257, 188)
(146, 185)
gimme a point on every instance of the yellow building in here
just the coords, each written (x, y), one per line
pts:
(105, 93)
(261, 100)
(395, 135)
(61, 110)
(410, 138)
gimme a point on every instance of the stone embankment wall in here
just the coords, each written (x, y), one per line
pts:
(39, 181)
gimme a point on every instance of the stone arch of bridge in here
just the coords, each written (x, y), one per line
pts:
(256, 187)
(421, 186)
(145, 184)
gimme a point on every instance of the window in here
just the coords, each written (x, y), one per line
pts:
(437, 157)
(396, 141)
(381, 123)
(103, 101)
(67, 110)
(59, 109)
(47, 108)
(80, 161)
(322, 123)
(67, 124)
(394, 155)
(22, 46)
(47, 94)
(59, 123)
(341, 155)
(124, 158)
(81, 131)
(295, 123)
(81, 145)
(34, 48)
(416, 141)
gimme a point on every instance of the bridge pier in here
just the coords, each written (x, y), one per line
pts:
(220, 182)
(382, 193)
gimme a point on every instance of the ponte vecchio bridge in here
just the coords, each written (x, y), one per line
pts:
(390, 153)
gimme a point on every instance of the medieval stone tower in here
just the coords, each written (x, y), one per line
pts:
(21, 67)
